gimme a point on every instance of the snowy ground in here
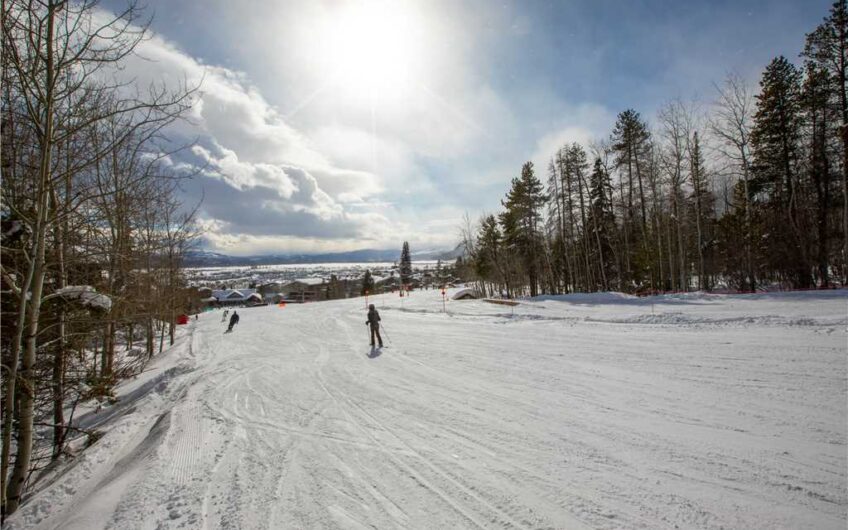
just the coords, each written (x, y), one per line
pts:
(596, 411)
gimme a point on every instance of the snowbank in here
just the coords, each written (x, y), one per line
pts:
(464, 293)
(588, 298)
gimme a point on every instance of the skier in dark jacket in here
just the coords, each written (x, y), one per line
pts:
(374, 322)
(233, 321)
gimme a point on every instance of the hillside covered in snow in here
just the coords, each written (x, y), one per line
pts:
(576, 411)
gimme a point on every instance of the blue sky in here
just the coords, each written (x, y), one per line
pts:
(327, 126)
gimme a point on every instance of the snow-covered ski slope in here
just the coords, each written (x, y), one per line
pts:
(592, 411)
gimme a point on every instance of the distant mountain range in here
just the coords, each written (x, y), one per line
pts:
(205, 258)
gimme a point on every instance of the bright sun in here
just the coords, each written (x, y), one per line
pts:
(372, 50)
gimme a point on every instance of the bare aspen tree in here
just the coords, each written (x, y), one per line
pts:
(673, 120)
(55, 55)
(730, 123)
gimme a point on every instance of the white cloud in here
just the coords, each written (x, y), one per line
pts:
(582, 124)
(242, 175)
(329, 173)
(264, 184)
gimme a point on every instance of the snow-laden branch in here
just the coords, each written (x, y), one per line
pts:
(86, 295)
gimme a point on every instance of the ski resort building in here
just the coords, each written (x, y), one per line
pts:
(302, 290)
(229, 297)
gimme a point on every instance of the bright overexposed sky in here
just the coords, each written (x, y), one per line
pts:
(331, 125)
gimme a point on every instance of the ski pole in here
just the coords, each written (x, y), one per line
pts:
(387, 335)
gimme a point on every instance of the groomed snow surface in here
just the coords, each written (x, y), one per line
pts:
(583, 411)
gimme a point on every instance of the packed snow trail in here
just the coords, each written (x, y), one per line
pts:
(598, 411)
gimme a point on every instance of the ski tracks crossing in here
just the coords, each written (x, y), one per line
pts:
(288, 423)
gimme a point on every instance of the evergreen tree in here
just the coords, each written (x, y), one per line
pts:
(521, 222)
(630, 139)
(775, 134)
(653, 216)
(367, 283)
(567, 218)
(775, 141)
(578, 166)
(827, 48)
(741, 223)
(821, 151)
(405, 265)
(631, 144)
(601, 221)
(488, 261)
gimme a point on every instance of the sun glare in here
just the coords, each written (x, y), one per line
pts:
(372, 50)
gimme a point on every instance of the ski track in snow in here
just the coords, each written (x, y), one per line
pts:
(589, 411)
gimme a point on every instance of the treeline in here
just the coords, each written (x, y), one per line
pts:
(753, 192)
(92, 233)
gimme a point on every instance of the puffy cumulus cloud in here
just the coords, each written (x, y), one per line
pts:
(447, 114)
(244, 175)
(248, 244)
(232, 113)
(258, 231)
(237, 116)
(312, 199)
(262, 185)
(227, 106)
(327, 173)
(241, 198)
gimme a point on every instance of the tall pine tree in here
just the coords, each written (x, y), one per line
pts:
(521, 223)
(405, 265)
(818, 142)
(827, 48)
(367, 283)
(601, 222)
(630, 144)
(775, 141)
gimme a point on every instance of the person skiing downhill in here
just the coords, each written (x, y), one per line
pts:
(233, 321)
(374, 322)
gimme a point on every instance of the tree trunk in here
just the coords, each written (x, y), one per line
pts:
(28, 382)
(108, 359)
(59, 352)
(149, 337)
(844, 199)
(27, 394)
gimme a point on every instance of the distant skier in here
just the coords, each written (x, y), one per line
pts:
(224, 317)
(374, 322)
(233, 321)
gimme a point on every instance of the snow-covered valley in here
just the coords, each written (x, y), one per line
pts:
(582, 411)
